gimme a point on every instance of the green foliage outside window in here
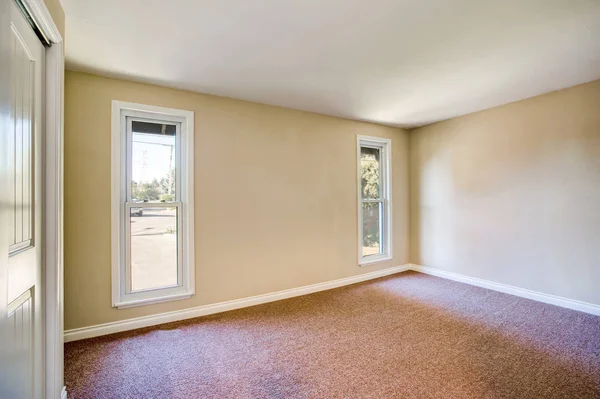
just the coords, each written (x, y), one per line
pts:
(369, 162)
(156, 190)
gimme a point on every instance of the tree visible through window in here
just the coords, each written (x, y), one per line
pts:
(370, 178)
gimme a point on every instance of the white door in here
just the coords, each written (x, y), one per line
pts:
(21, 211)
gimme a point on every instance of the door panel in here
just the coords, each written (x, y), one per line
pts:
(23, 81)
(20, 321)
(22, 173)
(21, 149)
(27, 62)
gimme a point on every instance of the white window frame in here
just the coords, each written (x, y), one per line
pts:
(385, 162)
(121, 297)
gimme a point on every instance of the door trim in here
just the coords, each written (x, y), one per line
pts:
(53, 220)
(52, 224)
(38, 10)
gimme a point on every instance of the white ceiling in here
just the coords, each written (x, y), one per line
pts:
(395, 62)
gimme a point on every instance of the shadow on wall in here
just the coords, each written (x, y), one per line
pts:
(510, 194)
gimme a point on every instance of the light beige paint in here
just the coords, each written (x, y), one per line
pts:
(276, 203)
(512, 194)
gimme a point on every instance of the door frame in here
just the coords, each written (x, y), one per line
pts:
(52, 223)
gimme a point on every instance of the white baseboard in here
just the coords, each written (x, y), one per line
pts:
(509, 289)
(63, 394)
(132, 324)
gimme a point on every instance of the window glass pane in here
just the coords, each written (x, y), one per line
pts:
(153, 248)
(153, 162)
(372, 228)
(370, 180)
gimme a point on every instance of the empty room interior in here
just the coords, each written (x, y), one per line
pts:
(300, 199)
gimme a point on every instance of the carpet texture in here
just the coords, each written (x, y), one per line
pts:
(405, 336)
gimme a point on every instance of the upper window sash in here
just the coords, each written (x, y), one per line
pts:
(380, 175)
(129, 120)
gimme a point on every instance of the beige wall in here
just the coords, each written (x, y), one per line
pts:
(276, 204)
(512, 194)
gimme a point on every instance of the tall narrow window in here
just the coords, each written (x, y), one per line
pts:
(152, 204)
(374, 199)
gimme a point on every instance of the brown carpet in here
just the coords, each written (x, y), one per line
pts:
(403, 336)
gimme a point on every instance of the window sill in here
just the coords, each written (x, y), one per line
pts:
(371, 260)
(150, 301)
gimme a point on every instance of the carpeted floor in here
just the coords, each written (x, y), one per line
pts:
(405, 336)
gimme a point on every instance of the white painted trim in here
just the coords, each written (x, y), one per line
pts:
(140, 322)
(368, 260)
(53, 216)
(151, 301)
(53, 199)
(385, 146)
(116, 213)
(40, 13)
(509, 289)
(132, 324)
(120, 297)
(63, 394)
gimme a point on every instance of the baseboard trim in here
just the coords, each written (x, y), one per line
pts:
(509, 289)
(146, 321)
(63, 393)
